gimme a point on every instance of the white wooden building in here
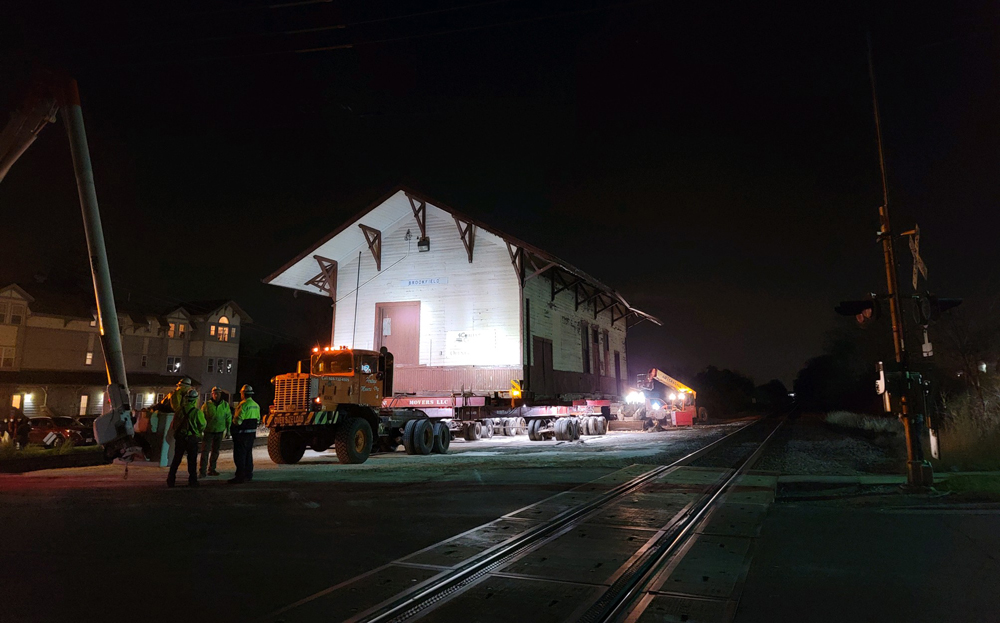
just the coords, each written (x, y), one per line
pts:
(464, 307)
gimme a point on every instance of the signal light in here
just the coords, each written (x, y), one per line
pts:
(927, 307)
(864, 311)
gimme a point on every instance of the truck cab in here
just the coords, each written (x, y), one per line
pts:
(361, 377)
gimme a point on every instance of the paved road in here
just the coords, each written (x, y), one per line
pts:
(85, 544)
(828, 562)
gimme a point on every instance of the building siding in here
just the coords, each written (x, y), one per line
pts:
(455, 296)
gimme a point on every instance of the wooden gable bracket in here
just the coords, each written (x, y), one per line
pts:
(621, 314)
(326, 280)
(610, 305)
(374, 238)
(588, 298)
(468, 233)
(538, 271)
(563, 284)
(517, 261)
(419, 213)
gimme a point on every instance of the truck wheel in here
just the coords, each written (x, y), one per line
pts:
(574, 427)
(285, 447)
(533, 427)
(442, 438)
(586, 424)
(353, 441)
(473, 431)
(486, 429)
(522, 426)
(508, 426)
(560, 428)
(408, 436)
(422, 437)
(602, 426)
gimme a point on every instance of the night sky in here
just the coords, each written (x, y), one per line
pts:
(714, 162)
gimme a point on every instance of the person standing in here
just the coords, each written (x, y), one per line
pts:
(244, 431)
(218, 415)
(188, 427)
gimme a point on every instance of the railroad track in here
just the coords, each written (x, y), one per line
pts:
(732, 456)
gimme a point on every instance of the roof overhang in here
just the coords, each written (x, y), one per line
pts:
(304, 272)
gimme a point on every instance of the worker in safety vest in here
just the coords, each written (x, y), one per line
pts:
(188, 427)
(218, 416)
(173, 401)
(244, 431)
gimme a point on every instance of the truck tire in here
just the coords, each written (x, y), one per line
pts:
(522, 426)
(573, 429)
(442, 438)
(353, 441)
(473, 431)
(560, 428)
(422, 437)
(486, 429)
(533, 427)
(285, 447)
(408, 436)
(585, 425)
(602, 426)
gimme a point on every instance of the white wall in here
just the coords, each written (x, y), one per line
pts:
(559, 321)
(482, 297)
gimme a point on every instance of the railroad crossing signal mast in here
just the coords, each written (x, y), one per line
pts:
(900, 387)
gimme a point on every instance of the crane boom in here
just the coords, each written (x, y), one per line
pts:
(49, 94)
(668, 381)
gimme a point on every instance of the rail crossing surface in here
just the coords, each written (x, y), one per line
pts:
(570, 557)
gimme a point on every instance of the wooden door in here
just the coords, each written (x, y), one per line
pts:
(542, 375)
(397, 327)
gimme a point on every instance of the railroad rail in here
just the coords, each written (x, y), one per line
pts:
(625, 592)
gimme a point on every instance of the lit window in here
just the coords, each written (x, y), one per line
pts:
(211, 330)
(137, 401)
(210, 362)
(84, 399)
(173, 364)
(142, 362)
(3, 313)
(15, 401)
(90, 359)
(222, 332)
(16, 313)
(7, 357)
(232, 332)
(171, 330)
(181, 330)
(93, 321)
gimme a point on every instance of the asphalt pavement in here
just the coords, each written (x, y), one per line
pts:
(87, 544)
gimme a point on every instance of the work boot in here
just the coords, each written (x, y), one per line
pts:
(170, 481)
(213, 473)
(201, 474)
(192, 482)
(235, 481)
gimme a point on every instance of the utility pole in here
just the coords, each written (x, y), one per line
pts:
(919, 473)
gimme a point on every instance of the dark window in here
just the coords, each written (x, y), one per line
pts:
(210, 362)
(142, 362)
(16, 313)
(585, 339)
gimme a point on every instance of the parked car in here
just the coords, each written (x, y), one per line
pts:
(85, 426)
(45, 431)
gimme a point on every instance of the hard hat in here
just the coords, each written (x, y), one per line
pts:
(184, 381)
(247, 390)
(192, 394)
(216, 389)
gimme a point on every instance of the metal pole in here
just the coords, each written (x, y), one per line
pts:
(107, 315)
(919, 473)
(356, 288)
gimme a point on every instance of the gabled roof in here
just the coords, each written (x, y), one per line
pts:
(534, 261)
(19, 290)
(207, 308)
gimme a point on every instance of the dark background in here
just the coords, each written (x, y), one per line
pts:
(714, 162)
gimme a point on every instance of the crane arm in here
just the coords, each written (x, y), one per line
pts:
(48, 95)
(668, 381)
